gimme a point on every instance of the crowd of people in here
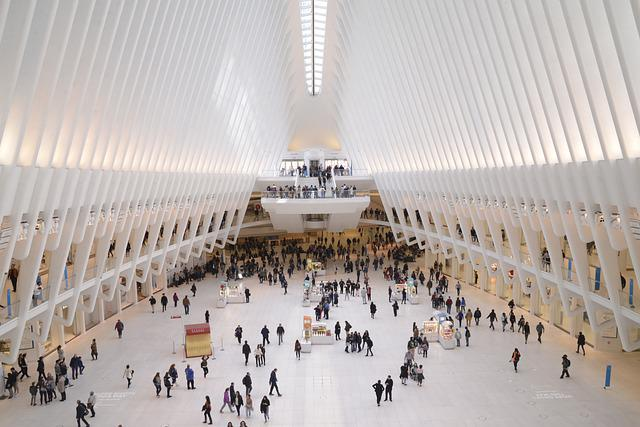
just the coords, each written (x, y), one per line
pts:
(255, 256)
(313, 191)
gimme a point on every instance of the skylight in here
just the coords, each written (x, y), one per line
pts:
(313, 17)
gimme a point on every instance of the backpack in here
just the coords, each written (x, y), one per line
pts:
(568, 363)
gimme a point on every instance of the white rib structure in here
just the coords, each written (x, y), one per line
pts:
(121, 117)
(503, 115)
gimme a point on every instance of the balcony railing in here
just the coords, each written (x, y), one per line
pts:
(313, 194)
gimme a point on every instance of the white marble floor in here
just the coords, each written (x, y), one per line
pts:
(472, 386)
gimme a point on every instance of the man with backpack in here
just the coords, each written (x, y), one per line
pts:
(81, 412)
(565, 366)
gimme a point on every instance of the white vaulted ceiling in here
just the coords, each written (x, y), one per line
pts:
(145, 85)
(458, 84)
(122, 118)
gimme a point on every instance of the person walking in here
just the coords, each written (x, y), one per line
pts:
(565, 366)
(395, 307)
(526, 330)
(539, 330)
(33, 391)
(515, 358)
(175, 300)
(297, 348)
(190, 376)
(265, 335)
(273, 382)
(460, 316)
(390, 292)
(248, 406)
(167, 383)
(378, 388)
(193, 290)
(582, 340)
(388, 389)
(372, 310)
(247, 295)
(206, 408)
(163, 302)
(264, 408)
(492, 318)
(505, 321)
(458, 288)
(468, 316)
(206, 316)
(404, 374)
(157, 383)
(204, 364)
(258, 355)
(128, 374)
(420, 375)
(369, 344)
(467, 335)
(458, 336)
(337, 329)
(91, 403)
(119, 328)
(246, 350)
(238, 334)
(81, 412)
(239, 402)
(477, 315)
(521, 323)
(280, 333)
(186, 304)
(226, 400)
(247, 383)
(152, 301)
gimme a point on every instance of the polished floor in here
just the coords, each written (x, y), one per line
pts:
(471, 386)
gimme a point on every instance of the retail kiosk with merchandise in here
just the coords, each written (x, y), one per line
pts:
(311, 293)
(315, 267)
(305, 343)
(397, 291)
(445, 335)
(235, 293)
(320, 335)
(230, 293)
(430, 330)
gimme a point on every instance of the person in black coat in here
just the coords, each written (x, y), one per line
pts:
(265, 335)
(164, 301)
(373, 309)
(582, 340)
(404, 374)
(378, 388)
(388, 389)
(246, 350)
(81, 412)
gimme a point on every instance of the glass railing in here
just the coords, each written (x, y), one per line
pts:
(313, 194)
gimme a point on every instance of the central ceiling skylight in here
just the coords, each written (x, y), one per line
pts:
(313, 17)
